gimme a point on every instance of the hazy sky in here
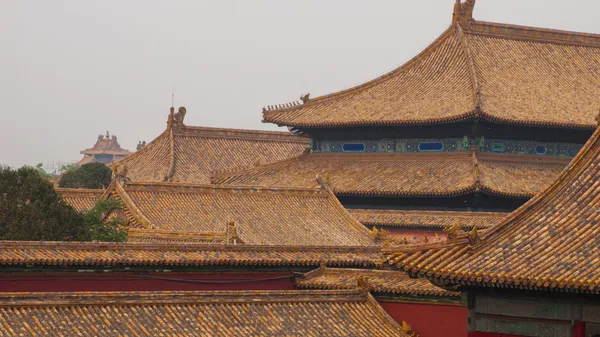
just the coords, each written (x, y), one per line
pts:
(70, 70)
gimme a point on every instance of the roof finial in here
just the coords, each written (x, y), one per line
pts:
(305, 98)
(463, 13)
(362, 283)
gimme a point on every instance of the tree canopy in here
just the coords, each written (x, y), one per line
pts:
(92, 175)
(30, 209)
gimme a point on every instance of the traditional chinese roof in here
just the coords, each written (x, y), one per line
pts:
(380, 281)
(409, 175)
(81, 199)
(105, 255)
(258, 216)
(106, 145)
(475, 70)
(426, 219)
(550, 243)
(217, 313)
(192, 154)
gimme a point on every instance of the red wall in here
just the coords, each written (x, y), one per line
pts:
(429, 320)
(50, 282)
(489, 334)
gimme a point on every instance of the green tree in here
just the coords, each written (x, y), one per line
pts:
(30, 209)
(101, 226)
(92, 175)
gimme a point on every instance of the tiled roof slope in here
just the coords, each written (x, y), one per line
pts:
(497, 72)
(102, 254)
(81, 199)
(192, 154)
(426, 219)
(550, 243)
(381, 281)
(421, 174)
(261, 216)
(220, 313)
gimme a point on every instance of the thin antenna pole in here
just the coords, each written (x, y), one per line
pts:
(173, 96)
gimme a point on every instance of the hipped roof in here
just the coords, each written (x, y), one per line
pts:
(261, 216)
(409, 175)
(550, 243)
(216, 313)
(191, 154)
(497, 72)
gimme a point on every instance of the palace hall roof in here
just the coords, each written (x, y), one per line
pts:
(550, 243)
(106, 145)
(81, 199)
(409, 175)
(217, 313)
(248, 215)
(426, 219)
(192, 154)
(380, 281)
(105, 255)
(497, 72)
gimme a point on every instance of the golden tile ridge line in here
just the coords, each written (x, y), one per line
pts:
(532, 34)
(171, 171)
(360, 227)
(42, 299)
(135, 213)
(240, 134)
(472, 71)
(187, 247)
(175, 235)
(225, 189)
(438, 41)
(426, 212)
(75, 192)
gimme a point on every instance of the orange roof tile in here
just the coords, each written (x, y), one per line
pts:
(381, 281)
(421, 175)
(217, 313)
(81, 199)
(549, 243)
(496, 72)
(192, 154)
(102, 254)
(427, 219)
(309, 217)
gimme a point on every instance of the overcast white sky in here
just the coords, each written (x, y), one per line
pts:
(70, 70)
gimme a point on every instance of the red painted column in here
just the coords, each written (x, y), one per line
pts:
(579, 329)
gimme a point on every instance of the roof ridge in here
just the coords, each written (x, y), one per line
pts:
(472, 70)
(246, 134)
(79, 191)
(120, 246)
(45, 299)
(534, 34)
(232, 188)
(429, 212)
(405, 66)
(134, 211)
